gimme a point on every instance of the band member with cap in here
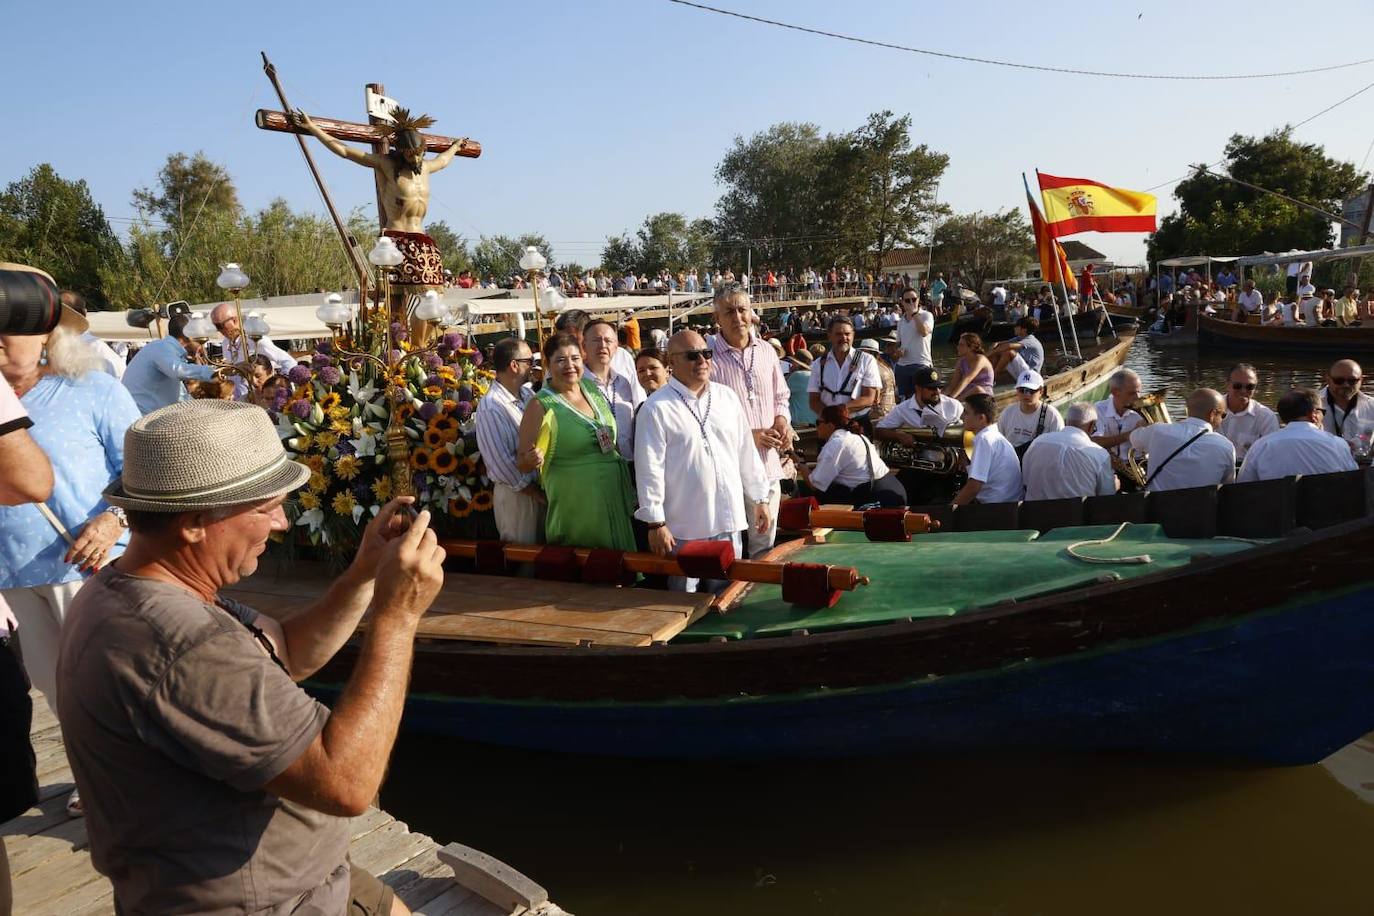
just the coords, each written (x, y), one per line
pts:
(1300, 447)
(994, 474)
(1068, 464)
(1189, 453)
(928, 407)
(1032, 415)
(1349, 411)
(1247, 420)
(844, 375)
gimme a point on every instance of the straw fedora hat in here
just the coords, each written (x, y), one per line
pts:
(70, 319)
(204, 454)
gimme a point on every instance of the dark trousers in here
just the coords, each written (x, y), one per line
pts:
(887, 492)
(906, 380)
(18, 766)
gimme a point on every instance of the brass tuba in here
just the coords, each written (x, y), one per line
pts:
(937, 453)
(1154, 409)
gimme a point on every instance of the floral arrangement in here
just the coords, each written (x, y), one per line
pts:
(334, 420)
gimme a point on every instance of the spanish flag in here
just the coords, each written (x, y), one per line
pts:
(1048, 247)
(1079, 205)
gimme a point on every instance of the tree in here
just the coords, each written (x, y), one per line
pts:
(189, 187)
(984, 246)
(453, 248)
(53, 224)
(499, 255)
(1217, 216)
(619, 255)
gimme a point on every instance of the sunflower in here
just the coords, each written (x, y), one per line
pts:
(459, 507)
(481, 501)
(442, 462)
(304, 441)
(314, 462)
(343, 503)
(404, 411)
(308, 500)
(326, 439)
(434, 438)
(381, 488)
(346, 468)
(446, 373)
(447, 427)
(420, 458)
(466, 467)
(330, 401)
(303, 391)
(433, 391)
(337, 413)
(318, 482)
(449, 406)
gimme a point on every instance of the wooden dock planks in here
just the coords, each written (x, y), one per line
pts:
(53, 876)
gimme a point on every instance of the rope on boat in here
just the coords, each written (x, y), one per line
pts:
(1072, 550)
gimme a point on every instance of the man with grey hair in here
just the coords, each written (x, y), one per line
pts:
(226, 320)
(1247, 420)
(1067, 463)
(1189, 453)
(211, 781)
(1115, 415)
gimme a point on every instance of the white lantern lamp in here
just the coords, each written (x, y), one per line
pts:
(231, 277)
(385, 253)
(199, 328)
(256, 326)
(430, 308)
(532, 260)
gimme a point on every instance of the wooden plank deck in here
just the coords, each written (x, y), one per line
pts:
(51, 865)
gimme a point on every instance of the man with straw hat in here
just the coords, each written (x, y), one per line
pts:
(211, 781)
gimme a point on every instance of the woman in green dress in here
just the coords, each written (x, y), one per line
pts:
(568, 433)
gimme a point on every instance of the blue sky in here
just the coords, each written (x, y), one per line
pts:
(594, 114)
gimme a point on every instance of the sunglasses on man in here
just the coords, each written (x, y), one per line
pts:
(1345, 379)
(696, 356)
(1243, 386)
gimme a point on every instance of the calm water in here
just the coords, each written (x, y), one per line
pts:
(1003, 835)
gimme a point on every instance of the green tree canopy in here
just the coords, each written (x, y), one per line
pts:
(51, 223)
(1217, 216)
(663, 240)
(499, 255)
(452, 247)
(984, 246)
(188, 187)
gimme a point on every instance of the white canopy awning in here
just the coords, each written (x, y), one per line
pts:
(1322, 254)
(1197, 260)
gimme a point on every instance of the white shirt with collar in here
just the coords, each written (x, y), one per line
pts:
(695, 482)
(996, 466)
(1347, 424)
(912, 414)
(840, 382)
(1245, 427)
(1019, 427)
(1065, 464)
(1298, 448)
(282, 362)
(913, 335)
(623, 393)
(1251, 301)
(1111, 423)
(1208, 461)
(498, 419)
(849, 460)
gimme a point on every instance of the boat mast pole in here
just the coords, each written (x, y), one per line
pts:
(1063, 285)
(1054, 254)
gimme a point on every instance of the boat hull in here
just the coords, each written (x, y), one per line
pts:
(1222, 334)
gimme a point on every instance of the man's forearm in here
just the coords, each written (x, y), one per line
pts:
(316, 634)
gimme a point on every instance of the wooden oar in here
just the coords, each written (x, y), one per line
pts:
(843, 578)
(843, 518)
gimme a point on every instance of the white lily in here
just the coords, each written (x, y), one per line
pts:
(360, 394)
(312, 517)
(365, 446)
(357, 513)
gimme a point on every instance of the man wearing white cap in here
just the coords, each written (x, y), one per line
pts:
(1032, 416)
(211, 781)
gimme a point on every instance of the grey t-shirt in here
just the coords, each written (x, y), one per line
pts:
(174, 719)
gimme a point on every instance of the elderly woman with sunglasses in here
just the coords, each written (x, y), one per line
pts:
(568, 433)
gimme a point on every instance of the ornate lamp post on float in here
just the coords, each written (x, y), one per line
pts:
(533, 264)
(254, 327)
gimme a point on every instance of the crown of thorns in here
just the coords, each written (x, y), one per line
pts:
(402, 120)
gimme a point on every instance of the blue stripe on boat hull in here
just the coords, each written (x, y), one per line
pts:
(1287, 687)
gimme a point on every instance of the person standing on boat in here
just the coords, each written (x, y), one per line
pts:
(621, 389)
(1189, 453)
(928, 408)
(994, 473)
(752, 370)
(695, 460)
(1300, 447)
(846, 376)
(1032, 416)
(1349, 411)
(1067, 464)
(913, 336)
(1247, 420)
(517, 500)
(211, 781)
(1116, 416)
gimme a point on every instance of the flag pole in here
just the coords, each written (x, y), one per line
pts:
(1064, 286)
(1063, 346)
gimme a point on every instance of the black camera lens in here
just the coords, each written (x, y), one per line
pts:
(29, 303)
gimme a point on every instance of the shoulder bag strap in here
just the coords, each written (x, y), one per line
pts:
(1155, 473)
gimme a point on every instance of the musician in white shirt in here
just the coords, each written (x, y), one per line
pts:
(1189, 453)
(226, 321)
(1349, 411)
(929, 407)
(1031, 416)
(1301, 447)
(994, 474)
(695, 460)
(849, 468)
(1067, 463)
(844, 375)
(1247, 420)
(1115, 416)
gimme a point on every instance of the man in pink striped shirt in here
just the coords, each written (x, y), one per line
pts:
(750, 368)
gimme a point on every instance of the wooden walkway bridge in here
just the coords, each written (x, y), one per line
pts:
(52, 872)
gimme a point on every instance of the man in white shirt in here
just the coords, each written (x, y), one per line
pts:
(516, 500)
(994, 474)
(844, 375)
(913, 339)
(622, 392)
(1301, 447)
(226, 321)
(573, 321)
(928, 408)
(1249, 302)
(1349, 411)
(1189, 453)
(1031, 416)
(695, 461)
(1308, 301)
(1115, 417)
(999, 296)
(1247, 420)
(1067, 463)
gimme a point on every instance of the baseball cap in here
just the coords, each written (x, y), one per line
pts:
(928, 377)
(1030, 379)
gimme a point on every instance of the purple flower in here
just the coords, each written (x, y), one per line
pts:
(395, 356)
(325, 346)
(345, 447)
(465, 392)
(398, 331)
(434, 380)
(453, 340)
(433, 361)
(300, 408)
(299, 374)
(319, 360)
(444, 353)
(477, 357)
(330, 375)
(279, 398)
(428, 410)
(464, 409)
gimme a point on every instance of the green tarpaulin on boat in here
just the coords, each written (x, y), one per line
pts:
(937, 575)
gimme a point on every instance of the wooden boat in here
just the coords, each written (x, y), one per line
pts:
(1223, 333)
(1258, 650)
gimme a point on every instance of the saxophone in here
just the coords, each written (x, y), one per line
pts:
(1131, 469)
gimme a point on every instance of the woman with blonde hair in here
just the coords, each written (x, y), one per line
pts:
(973, 374)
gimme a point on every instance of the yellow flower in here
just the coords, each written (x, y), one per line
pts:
(326, 439)
(342, 427)
(304, 441)
(318, 483)
(314, 462)
(442, 462)
(433, 438)
(308, 500)
(405, 411)
(337, 413)
(343, 503)
(382, 489)
(447, 427)
(330, 401)
(481, 501)
(346, 468)
(419, 459)
(433, 391)
(446, 372)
